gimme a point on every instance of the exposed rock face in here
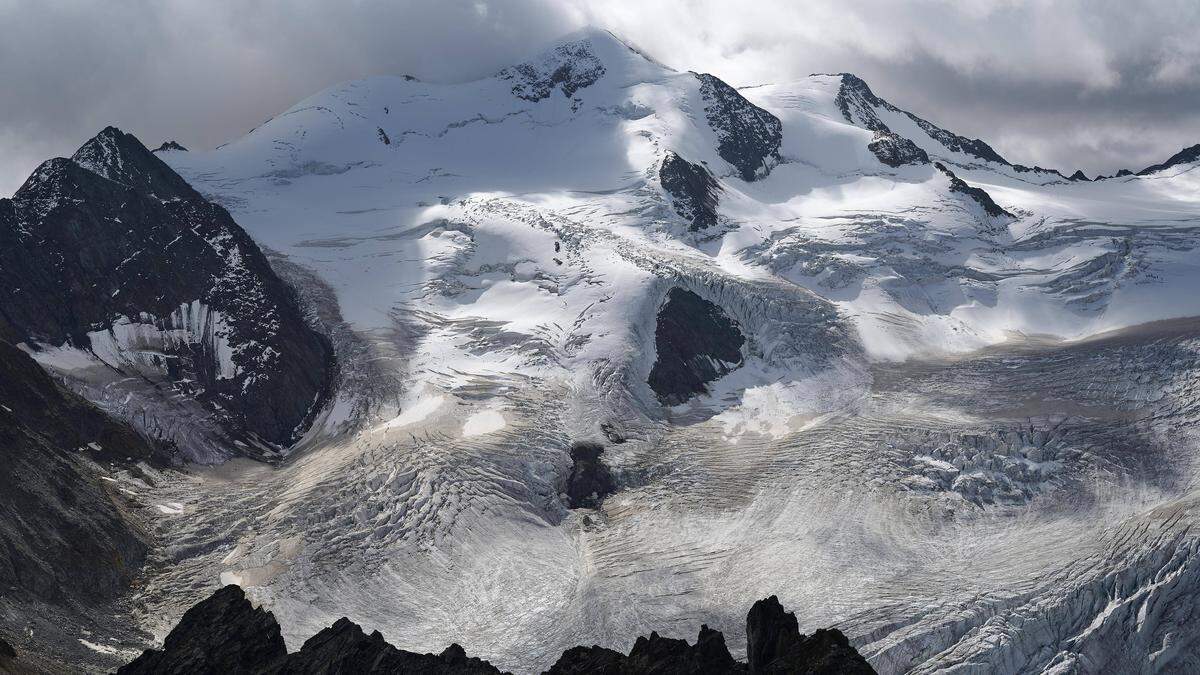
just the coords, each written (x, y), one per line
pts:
(226, 634)
(590, 480)
(1185, 156)
(8, 658)
(748, 137)
(654, 654)
(696, 343)
(858, 104)
(63, 536)
(114, 254)
(979, 195)
(896, 151)
(121, 158)
(1079, 176)
(168, 146)
(567, 68)
(223, 634)
(774, 644)
(345, 648)
(694, 192)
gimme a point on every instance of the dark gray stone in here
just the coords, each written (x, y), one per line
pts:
(979, 195)
(693, 190)
(116, 233)
(696, 343)
(225, 634)
(896, 151)
(63, 537)
(590, 480)
(774, 644)
(568, 68)
(170, 145)
(748, 137)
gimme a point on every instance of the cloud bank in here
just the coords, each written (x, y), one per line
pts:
(1097, 85)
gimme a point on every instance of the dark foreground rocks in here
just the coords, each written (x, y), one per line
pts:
(226, 634)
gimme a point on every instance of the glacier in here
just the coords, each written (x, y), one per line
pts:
(965, 434)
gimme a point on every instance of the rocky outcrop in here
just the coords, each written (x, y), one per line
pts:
(121, 158)
(696, 343)
(896, 151)
(345, 648)
(170, 146)
(590, 480)
(566, 68)
(113, 254)
(1185, 156)
(693, 190)
(748, 137)
(774, 644)
(978, 195)
(653, 654)
(223, 634)
(226, 634)
(63, 536)
(858, 104)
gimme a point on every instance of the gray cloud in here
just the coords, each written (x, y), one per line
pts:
(1097, 85)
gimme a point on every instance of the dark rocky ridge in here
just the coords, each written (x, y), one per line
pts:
(774, 644)
(1185, 156)
(696, 343)
(858, 103)
(226, 634)
(65, 538)
(590, 480)
(694, 192)
(121, 158)
(114, 240)
(170, 145)
(748, 137)
(980, 196)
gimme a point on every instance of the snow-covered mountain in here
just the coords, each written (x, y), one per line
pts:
(831, 351)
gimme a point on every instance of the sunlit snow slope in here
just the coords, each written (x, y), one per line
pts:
(932, 437)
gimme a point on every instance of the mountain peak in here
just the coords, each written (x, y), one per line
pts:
(574, 62)
(121, 157)
(168, 146)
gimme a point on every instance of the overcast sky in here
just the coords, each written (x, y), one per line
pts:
(1095, 85)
